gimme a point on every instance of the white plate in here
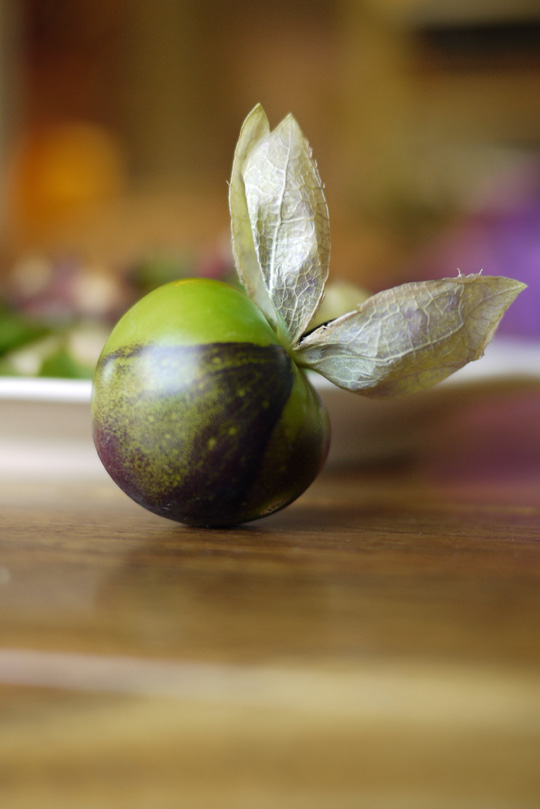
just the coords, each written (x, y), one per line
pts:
(45, 423)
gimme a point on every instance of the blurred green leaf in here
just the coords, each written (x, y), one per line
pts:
(62, 365)
(17, 330)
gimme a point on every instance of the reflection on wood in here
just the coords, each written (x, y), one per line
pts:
(375, 644)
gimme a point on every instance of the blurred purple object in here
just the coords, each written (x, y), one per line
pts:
(502, 237)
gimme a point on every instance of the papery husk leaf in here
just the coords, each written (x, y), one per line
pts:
(254, 128)
(408, 338)
(289, 223)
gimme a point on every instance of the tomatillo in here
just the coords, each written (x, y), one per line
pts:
(202, 410)
(200, 414)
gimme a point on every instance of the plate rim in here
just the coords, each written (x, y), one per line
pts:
(505, 358)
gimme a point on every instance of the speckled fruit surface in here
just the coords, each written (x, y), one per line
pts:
(199, 413)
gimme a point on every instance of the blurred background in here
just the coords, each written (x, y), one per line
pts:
(118, 121)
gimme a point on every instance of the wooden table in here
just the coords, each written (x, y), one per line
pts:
(377, 644)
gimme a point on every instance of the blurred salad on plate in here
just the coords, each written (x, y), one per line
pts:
(56, 313)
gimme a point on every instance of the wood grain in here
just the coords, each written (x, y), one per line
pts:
(376, 644)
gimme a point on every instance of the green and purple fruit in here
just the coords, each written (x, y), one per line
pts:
(202, 411)
(199, 413)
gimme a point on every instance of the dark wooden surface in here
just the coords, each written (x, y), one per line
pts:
(376, 644)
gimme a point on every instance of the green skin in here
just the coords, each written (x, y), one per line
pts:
(199, 413)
